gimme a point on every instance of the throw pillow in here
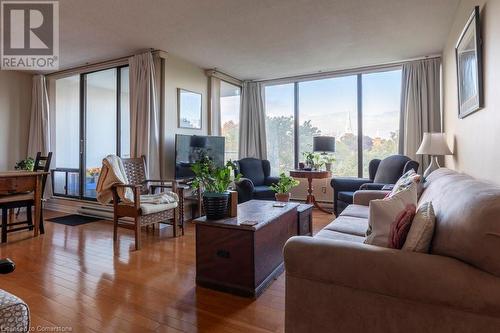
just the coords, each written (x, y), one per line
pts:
(383, 213)
(406, 180)
(422, 229)
(401, 226)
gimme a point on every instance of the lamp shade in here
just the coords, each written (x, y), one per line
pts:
(434, 144)
(198, 141)
(324, 144)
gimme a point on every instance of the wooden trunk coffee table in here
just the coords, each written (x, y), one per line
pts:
(243, 259)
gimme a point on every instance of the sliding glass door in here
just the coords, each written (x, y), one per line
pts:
(92, 121)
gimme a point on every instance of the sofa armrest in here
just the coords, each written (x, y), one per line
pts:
(409, 276)
(271, 180)
(372, 186)
(348, 183)
(245, 189)
(364, 197)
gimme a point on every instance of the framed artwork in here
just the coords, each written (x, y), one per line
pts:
(468, 53)
(188, 109)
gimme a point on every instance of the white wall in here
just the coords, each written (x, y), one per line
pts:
(15, 103)
(475, 138)
(180, 74)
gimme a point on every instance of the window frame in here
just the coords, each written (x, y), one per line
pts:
(359, 86)
(239, 111)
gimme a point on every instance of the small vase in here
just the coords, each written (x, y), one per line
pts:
(282, 197)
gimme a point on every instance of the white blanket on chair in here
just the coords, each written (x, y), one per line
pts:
(113, 173)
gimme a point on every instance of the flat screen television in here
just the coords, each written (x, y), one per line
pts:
(191, 148)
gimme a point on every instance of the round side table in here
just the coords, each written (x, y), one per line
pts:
(310, 175)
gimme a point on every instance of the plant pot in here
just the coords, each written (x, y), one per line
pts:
(328, 166)
(282, 197)
(215, 205)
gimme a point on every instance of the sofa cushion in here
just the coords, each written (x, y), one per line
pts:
(335, 235)
(467, 218)
(422, 228)
(346, 196)
(356, 211)
(349, 225)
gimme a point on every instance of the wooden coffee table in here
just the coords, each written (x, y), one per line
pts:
(242, 259)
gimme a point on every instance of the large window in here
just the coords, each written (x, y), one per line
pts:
(381, 109)
(91, 121)
(230, 118)
(334, 107)
(280, 127)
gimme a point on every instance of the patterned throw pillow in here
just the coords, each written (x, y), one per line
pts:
(405, 181)
(388, 217)
(422, 229)
(401, 226)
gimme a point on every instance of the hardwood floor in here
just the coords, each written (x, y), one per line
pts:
(73, 277)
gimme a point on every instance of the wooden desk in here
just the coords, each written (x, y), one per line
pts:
(17, 182)
(310, 175)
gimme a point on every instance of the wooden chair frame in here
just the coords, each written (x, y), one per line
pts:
(136, 173)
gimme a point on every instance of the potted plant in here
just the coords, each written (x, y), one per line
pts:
(313, 160)
(25, 165)
(214, 182)
(283, 187)
(328, 160)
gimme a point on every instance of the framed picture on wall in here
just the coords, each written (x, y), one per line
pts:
(188, 109)
(468, 53)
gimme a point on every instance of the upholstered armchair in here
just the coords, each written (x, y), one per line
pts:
(14, 313)
(381, 172)
(255, 181)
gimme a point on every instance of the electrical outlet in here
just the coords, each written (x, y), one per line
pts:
(323, 189)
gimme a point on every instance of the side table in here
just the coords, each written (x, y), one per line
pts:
(310, 175)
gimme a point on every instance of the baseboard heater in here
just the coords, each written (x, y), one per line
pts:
(100, 212)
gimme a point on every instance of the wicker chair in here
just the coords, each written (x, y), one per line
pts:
(146, 214)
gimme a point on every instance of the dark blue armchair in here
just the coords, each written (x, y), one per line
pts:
(381, 173)
(255, 181)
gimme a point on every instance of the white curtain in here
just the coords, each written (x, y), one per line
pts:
(144, 113)
(39, 135)
(420, 105)
(215, 122)
(252, 141)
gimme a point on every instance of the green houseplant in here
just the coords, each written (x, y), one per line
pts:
(313, 160)
(283, 187)
(328, 160)
(213, 181)
(26, 165)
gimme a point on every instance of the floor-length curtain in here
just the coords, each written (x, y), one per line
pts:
(420, 105)
(215, 117)
(39, 135)
(144, 113)
(252, 141)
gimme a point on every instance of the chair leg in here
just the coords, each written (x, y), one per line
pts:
(115, 227)
(29, 215)
(4, 225)
(42, 228)
(176, 221)
(137, 233)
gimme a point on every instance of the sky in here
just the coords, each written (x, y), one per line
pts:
(329, 103)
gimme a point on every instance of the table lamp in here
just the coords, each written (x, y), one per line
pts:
(433, 144)
(324, 144)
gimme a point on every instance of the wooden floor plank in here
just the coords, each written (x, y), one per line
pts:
(75, 277)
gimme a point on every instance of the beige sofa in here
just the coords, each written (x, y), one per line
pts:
(335, 283)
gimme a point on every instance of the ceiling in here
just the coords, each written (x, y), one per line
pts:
(256, 39)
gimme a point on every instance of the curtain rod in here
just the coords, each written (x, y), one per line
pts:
(344, 71)
(104, 63)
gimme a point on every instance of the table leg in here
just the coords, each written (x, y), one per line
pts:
(312, 200)
(38, 204)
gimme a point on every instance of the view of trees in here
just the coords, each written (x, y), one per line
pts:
(280, 132)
